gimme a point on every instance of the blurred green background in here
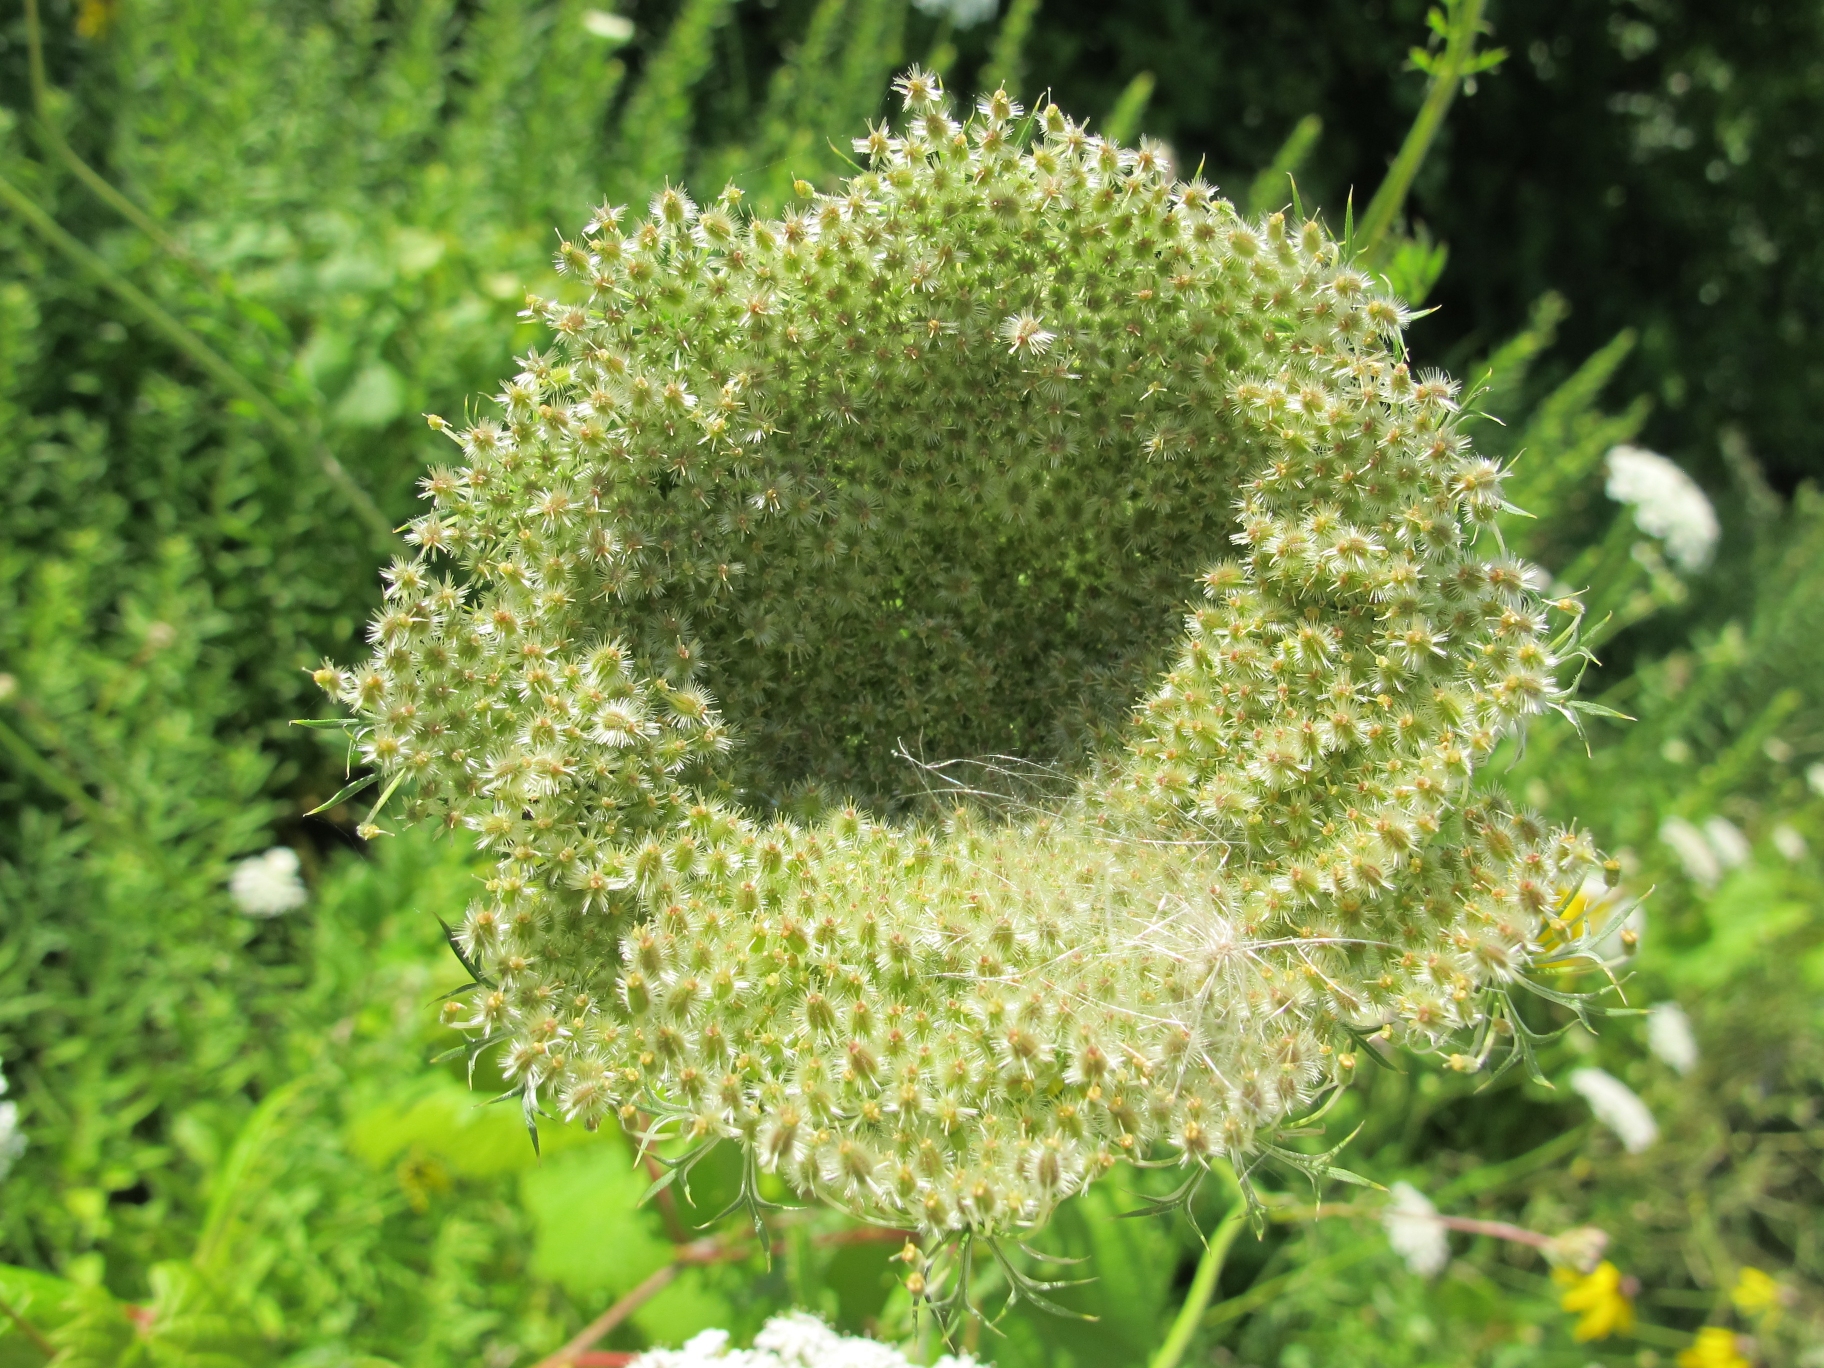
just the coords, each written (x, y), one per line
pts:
(245, 244)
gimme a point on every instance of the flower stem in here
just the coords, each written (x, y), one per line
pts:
(38, 1338)
(103, 189)
(1203, 1283)
(1452, 67)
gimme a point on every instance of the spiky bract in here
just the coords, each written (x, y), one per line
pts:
(937, 459)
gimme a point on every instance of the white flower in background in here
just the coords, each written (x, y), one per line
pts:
(12, 1139)
(1669, 1036)
(1618, 1107)
(1814, 777)
(268, 885)
(1727, 841)
(1414, 1231)
(1693, 850)
(799, 1338)
(962, 13)
(616, 28)
(1667, 504)
(794, 1340)
(1788, 842)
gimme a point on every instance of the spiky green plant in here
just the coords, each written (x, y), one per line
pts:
(906, 463)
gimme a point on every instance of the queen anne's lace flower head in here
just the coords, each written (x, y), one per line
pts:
(962, 13)
(267, 885)
(1670, 1037)
(794, 1340)
(929, 464)
(1667, 504)
(1414, 1231)
(1618, 1107)
(12, 1137)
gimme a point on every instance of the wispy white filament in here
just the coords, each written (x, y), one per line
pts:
(1669, 1036)
(1667, 504)
(1618, 1107)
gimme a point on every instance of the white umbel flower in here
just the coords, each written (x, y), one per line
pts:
(1788, 841)
(962, 13)
(12, 1139)
(1667, 504)
(1669, 1036)
(1694, 851)
(1415, 1232)
(1727, 841)
(794, 1340)
(616, 28)
(1618, 1107)
(268, 884)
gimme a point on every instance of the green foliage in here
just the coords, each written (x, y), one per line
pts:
(1653, 160)
(234, 1150)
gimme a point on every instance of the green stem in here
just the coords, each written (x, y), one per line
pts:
(51, 777)
(1459, 53)
(1007, 58)
(39, 1339)
(103, 189)
(1268, 1288)
(1203, 1283)
(206, 357)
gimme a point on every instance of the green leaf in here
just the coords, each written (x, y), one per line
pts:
(346, 792)
(373, 398)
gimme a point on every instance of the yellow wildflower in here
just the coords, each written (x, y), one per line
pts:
(1715, 1347)
(1600, 1299)
(1756, 1293)
(95, 17)
(1590, 913)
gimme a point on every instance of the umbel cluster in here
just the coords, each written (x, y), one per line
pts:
(935, 462)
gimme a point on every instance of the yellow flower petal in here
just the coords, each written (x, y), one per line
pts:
(1715, 1347)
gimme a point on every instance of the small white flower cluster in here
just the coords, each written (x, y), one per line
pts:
(1414, 1231)
(1618, 1107)
(1670, 1038)
(267, 885)
(794, 1340)
(1667, 504)
(12, 1139)
(962, 13)
(1706, 852)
